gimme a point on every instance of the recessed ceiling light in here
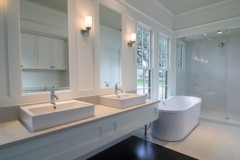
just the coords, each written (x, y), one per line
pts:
(219, 32)
(205, 34)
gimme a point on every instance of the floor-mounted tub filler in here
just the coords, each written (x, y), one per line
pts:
(178, 116)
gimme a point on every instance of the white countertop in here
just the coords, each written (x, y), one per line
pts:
(13, 132)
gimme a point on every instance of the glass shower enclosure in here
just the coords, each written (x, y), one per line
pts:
(208, 67)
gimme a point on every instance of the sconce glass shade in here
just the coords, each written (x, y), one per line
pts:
(88, 26)
(133, 37)
(88, 21)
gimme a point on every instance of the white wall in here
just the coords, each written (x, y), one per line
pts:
(39, 78)
(84, 52)
(4, 89)
(85, 49)
(84, 57)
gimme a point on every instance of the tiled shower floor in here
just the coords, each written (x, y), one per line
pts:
(220, 115)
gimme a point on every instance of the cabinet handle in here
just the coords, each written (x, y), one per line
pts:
(53, 67)
(21, 65)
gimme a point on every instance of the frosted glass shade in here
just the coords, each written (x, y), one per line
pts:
(133, 37)
(88, 21)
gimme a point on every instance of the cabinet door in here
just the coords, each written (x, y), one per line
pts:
(43, 52)
(59, 50)
(110, 62)
(112, 65)
(28, 50)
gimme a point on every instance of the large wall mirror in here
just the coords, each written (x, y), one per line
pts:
(110, 46)
(44, 45)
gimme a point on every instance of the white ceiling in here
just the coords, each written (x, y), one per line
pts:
(60, 5)
(181, 6)
(212, 35)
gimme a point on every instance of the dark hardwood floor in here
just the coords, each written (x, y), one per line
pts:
(135, 148)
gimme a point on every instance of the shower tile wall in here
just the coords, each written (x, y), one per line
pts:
(212, 73)
(207, 72)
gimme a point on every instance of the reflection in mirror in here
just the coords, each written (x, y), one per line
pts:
(44, 45)
(110, 47)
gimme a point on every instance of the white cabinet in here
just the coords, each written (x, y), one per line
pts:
(29, 51)
(58, 50)
(89, 135)
(43, 52)
(40, 52)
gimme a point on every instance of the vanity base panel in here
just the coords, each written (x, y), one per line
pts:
(77, 142)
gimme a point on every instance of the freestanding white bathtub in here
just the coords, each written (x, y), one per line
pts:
(177, 117)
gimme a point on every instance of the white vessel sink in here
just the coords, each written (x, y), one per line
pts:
(122, 100)
(43, 116)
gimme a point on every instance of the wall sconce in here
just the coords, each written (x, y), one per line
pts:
(88, 25)
(132, 39)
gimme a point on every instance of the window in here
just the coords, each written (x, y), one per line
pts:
(144, 61)
(180, 56)
(163, 50)
(143, 47)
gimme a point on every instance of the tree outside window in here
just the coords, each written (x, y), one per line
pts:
(163, 66)
(143, 61)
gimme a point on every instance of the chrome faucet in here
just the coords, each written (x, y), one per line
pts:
(116, 89)
(107, 85)
(53, 96)
(45, 88)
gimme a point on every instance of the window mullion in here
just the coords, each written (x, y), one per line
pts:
(143, 81)
(142, 47)
(149, 50)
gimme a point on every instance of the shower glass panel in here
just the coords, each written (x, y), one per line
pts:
(203, 71)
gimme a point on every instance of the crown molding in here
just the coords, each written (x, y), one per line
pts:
(209, 27)
(153, 4)
(208, 8)
(158, 9)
